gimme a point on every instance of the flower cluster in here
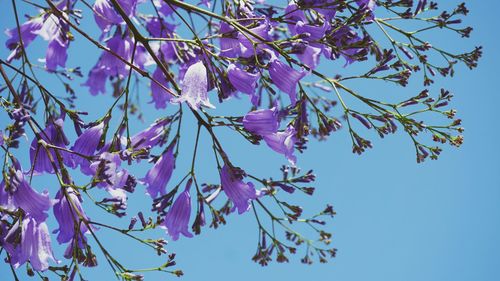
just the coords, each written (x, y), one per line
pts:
(289, 64)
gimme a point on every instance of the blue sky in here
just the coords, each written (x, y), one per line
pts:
(396, 219)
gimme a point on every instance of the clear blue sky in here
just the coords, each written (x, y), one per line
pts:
(397, 220)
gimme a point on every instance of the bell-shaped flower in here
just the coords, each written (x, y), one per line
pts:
(157, 178)
(87, 143)
(54, 135)
(283, 142)
(195, 87)
(19, 194)
(262, 121)
(151, 136)
(68, 212)
(160, 96)
(243, 81)
(177, 218)
(28, 34)
(285, 78)
(106, 15)
(29, 240)
(240, 193)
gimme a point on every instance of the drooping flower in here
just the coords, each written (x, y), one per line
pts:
(151, 136)
(29, 240)
(53, 134)
(160, 96)
(19, 194)
(240, 193)
(285, 78)
(195, 87)
(106, 15)
(67, 211)
(96, 80)
(28, 34)
(121, 46)
(87, 143)
(243, 81)
(177, 218)
(309, 55)
(262, 121)
(283, 142)
(229, 44)
(55, 30)
(157, 178)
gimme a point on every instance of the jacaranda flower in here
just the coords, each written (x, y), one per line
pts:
(177, 218)
(87, 143)
(195, 87)
(67, 211)
(151, 136)
(53, 134)
(283, 142)
(262, 122)
(243, 81)
(285, 78)
(28, 34)
(157, 178)
(29, 240)
(240, 193)
(160, 96)
(19, 194)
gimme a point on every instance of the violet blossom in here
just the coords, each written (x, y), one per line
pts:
(177, 218)
(195, 87)
(240, 193)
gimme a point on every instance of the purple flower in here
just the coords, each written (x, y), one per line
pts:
(28, 34)
(105, 14)
(55, 31)
(67, 211)
(19, 194)
(151, 136)
(56, 55)
(160, 96)
(123, 47)
(310, 55)
(229, 44)
(285, 78)
(283, 142)
(262, 121)
(243, 81)
(53, 134)
(195, 87)
(240, 193)
(157, 178)
(177, 218)
(87, 143)
(96, 80)
(29, 241)
(248, 48)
